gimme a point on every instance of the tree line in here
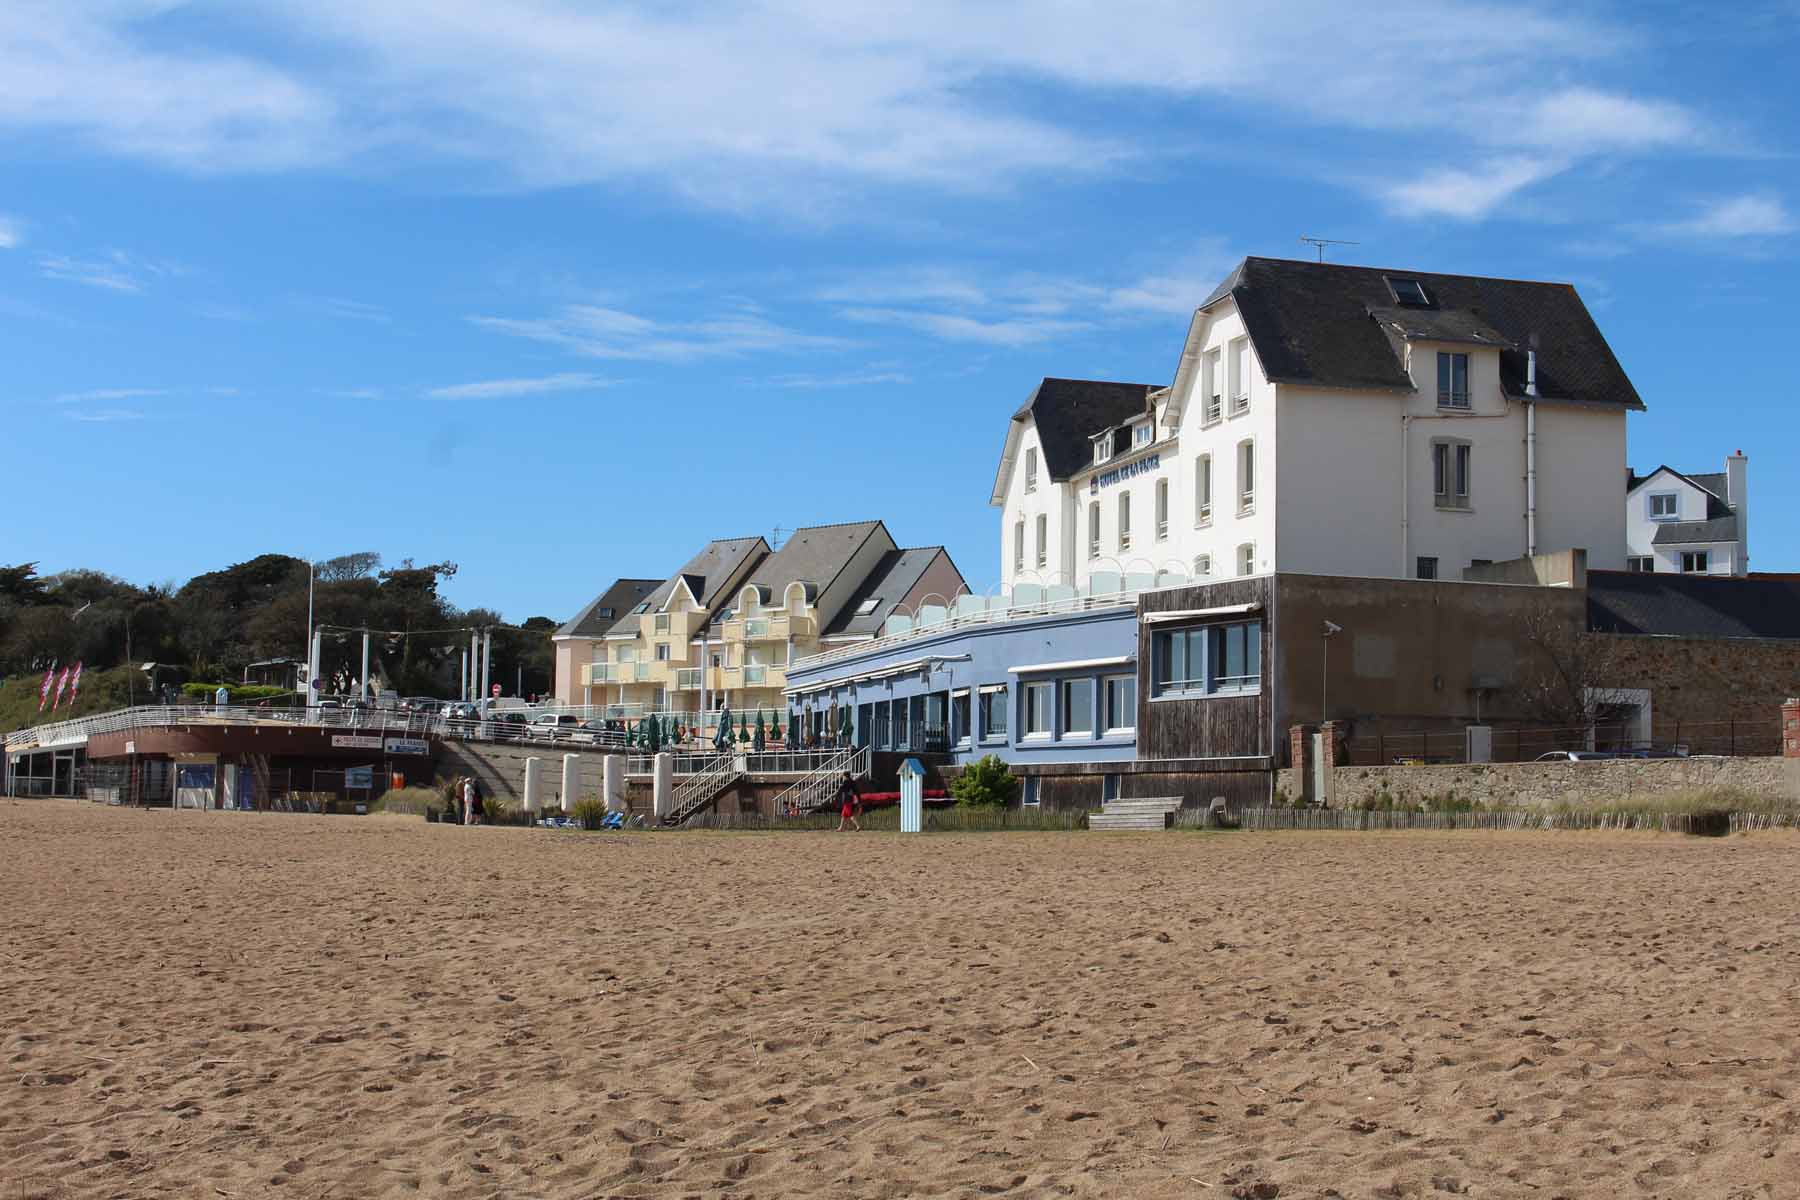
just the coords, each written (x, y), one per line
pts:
(216, 624)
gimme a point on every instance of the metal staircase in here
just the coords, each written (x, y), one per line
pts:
(704, 785)
(819, 787)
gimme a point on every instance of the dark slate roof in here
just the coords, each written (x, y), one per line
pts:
(814, 555)
(707, 574)
(1686, 533)
(1713, 481)
(1693, 605)
(619, 599)
(1069, 412)
(893, 577)
(1714, 485)
(1322, 324)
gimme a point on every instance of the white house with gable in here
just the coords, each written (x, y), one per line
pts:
(1696, 524)
(1333, 420)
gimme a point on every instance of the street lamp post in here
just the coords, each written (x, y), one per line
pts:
(1325, 670)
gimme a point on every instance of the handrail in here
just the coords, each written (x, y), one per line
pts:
(808, 793)
(702, 787)
(953, 622)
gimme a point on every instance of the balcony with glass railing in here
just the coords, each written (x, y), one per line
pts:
(688, 679)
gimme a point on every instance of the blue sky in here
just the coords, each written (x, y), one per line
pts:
(560, 290)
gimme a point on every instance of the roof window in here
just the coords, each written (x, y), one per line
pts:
(1408, 292)
(867, 607)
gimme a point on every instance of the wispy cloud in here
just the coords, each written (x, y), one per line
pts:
(491, 389)
(354, 393)
(12, 233)
(1759, 214)
(106, 416)
(804, 381)
(1469, 193)
(596, 332)
(341, 308)
(815, 105)
(955, 327)
(109, 395)
(114, 271)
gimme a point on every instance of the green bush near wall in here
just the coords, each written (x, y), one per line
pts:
(240, 693)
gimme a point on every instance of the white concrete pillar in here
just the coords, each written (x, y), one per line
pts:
(534, 771)
(571, 783)
(612, 789)
(663, 795)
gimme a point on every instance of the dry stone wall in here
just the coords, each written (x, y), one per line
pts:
(1545, 785)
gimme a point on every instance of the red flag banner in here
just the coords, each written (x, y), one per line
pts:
(44, 691)
(62, 684)
(75, 684)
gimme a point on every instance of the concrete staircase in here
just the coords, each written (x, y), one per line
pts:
(1153, 813)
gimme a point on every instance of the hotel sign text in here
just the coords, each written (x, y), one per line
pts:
(1142, 466)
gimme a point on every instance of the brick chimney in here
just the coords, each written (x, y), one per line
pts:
(1790, 728)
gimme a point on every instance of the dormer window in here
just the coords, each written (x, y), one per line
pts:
(1103, 444)
(1408, 292)
(1453, 380)
(1140, 435)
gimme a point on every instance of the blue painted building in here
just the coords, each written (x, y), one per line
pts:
(1060, 687)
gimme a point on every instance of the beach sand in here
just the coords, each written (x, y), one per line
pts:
(263, 1005)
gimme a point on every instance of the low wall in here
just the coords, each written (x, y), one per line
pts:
(1543, 785)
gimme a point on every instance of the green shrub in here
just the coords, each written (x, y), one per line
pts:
(413, 801)
(240, 693)
(985, 783)
(589, 812)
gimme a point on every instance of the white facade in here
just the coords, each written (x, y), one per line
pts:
(1708, 514)
(1359, 482)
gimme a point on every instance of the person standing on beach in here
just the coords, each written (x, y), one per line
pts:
(468, 799)
(849, 803)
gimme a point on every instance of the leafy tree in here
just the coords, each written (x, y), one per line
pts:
(986, 782)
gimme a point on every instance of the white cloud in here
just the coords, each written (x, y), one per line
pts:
(347, 310)
(595, 332)
(106, 416)
(490, 389)
(1759, 214)
(11, 232)
(105, 395)
(114, 271)
(799, 107)
(1469, 193)
(955, 327)
(848, 379)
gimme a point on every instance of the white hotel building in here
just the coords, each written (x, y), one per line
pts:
(1333, 420)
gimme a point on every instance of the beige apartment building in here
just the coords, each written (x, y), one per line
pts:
(721, 631)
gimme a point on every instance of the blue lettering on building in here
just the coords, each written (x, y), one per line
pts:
(1142, 466)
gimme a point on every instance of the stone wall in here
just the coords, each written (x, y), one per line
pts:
(1706, 679)
(1542, 785)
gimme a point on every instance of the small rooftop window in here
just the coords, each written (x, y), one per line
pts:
(868, 606)
(1409, 292)
(642, 608)
(606, 612)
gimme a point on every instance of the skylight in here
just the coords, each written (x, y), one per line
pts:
(868, 606)
(1409, 292)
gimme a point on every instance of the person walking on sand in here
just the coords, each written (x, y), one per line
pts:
(849, 804)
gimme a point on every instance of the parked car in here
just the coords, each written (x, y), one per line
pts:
(1574, 756)
(507, 726)
(554, 726)
(600, 733)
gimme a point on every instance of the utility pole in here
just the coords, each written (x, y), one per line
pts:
(365, 666)
(1325, 670)
(487, 659)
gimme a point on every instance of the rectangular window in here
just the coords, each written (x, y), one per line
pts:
(1240, 376)
(959, 718)
(1018, 546)
(1664, 506)
(1643, 562)
(994, 714)
(1140, 435)
(1453, 380)
(1028, 791)
(1094, 529)
(898, 710)
(1162, 510)
(1208, 659)
(662, 622)
(1246, 477)
(1124, 520)
(1043, 541)
(1427, 567)
(1103, 447)
(599, 652)
(1247, 559)
(1078, 708)
(662, 652)
(1203, 489)
(1696, 562)
(1450, 469)
(1202, 566)
(1212, 387)
(1121, 703)
(1031, 469)
(1037, 701)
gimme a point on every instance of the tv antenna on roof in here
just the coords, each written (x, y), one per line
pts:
(778, 536)
(1321, 243)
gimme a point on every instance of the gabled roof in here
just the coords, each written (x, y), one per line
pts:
(1069, 412)
(1668, 604)
(617, 600)
(705, 575)
(1330, 325)
(814, 555)
(1688, 533)
(1713, 485)
(893, 578)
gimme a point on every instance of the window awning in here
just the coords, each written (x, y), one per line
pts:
(1073, 664)
(1196, 614)
(906, 668)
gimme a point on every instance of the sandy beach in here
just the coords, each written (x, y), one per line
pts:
(239, 1005)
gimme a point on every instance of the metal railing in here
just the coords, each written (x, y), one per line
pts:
(1605, 739)
(703, 786)
(126, 720)
(954, 621)
(818, 787)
